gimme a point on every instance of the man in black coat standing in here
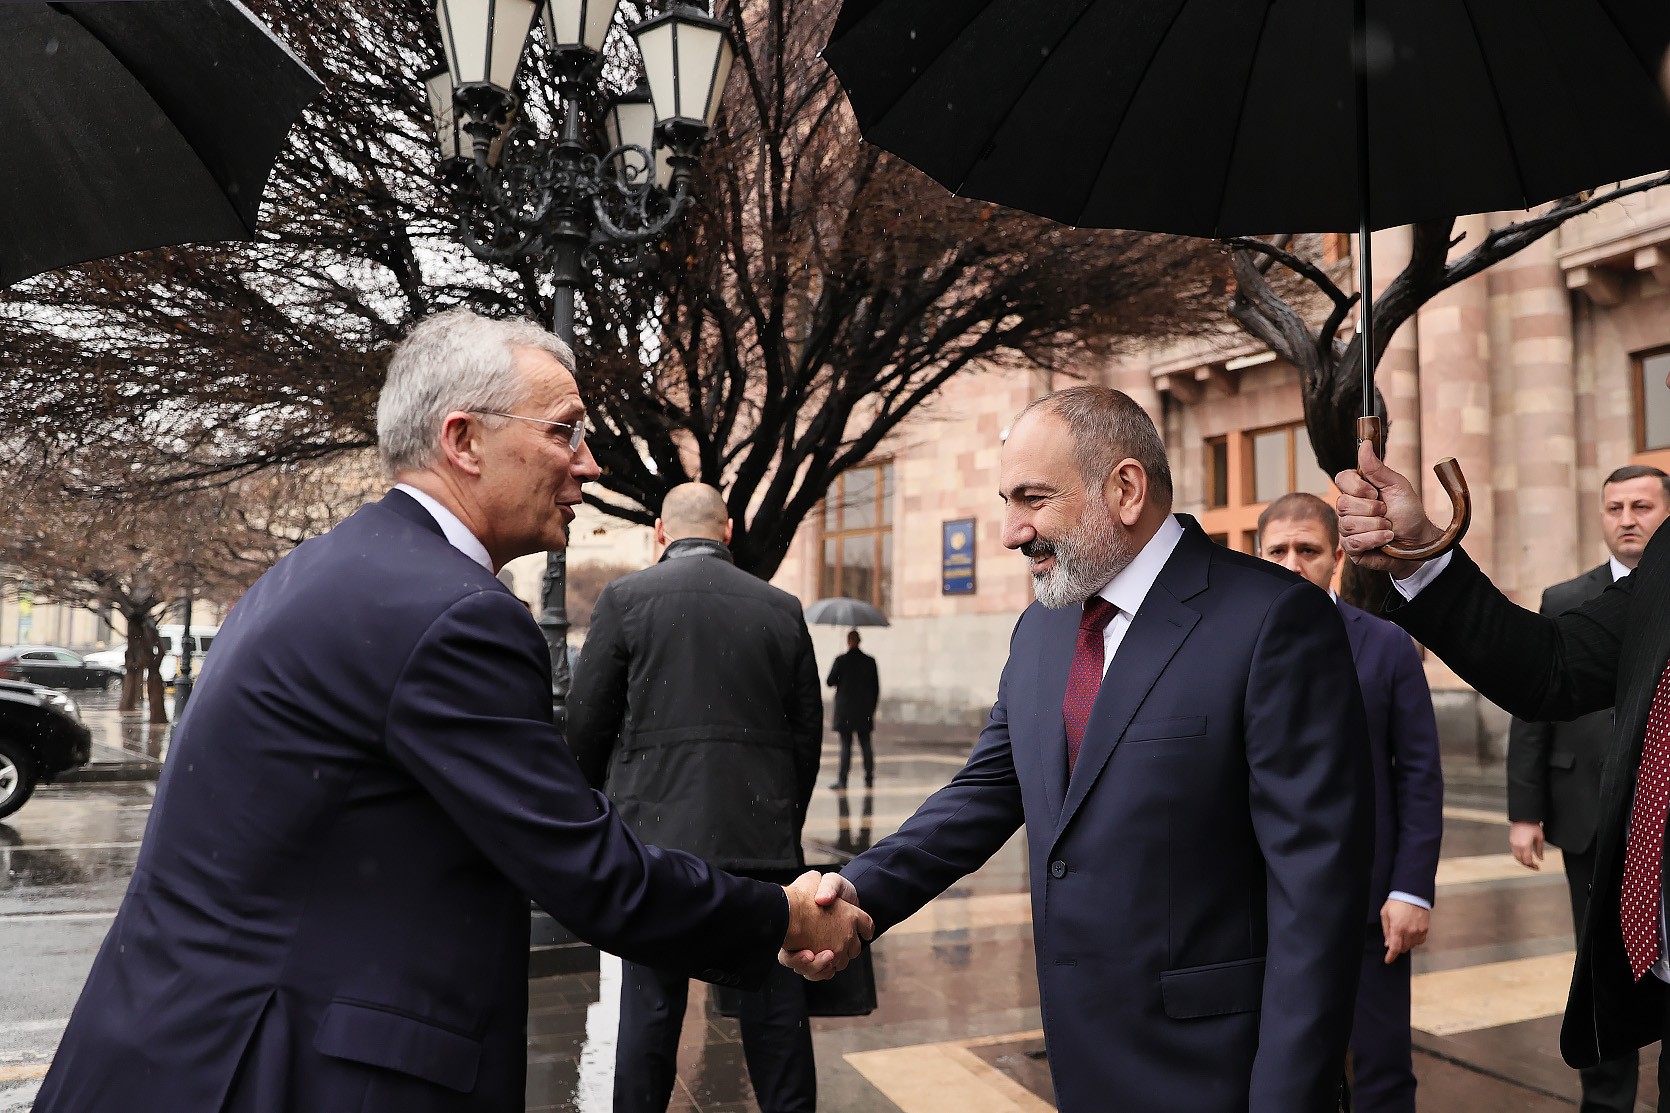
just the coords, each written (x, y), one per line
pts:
(697, 707)
(1610, 651)
(1554, 769)
(857, 687)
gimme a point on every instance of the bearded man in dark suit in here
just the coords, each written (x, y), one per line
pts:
(1198, 822)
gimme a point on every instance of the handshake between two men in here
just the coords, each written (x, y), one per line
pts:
(827, 929)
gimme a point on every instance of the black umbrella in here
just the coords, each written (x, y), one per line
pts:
(1245, 117)
(841, 611)
(136, 124)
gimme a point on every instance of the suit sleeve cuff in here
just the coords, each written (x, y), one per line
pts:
(1411, 585)
(1409, 898)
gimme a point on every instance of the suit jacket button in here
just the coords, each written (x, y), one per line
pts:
(1058, 869)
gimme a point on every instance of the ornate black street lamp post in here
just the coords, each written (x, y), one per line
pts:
(525, 196)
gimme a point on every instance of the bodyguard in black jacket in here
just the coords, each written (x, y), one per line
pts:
(1554, 769)
(696, 706)
(1612, 650)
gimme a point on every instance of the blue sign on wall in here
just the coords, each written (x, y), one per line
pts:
(957, 559)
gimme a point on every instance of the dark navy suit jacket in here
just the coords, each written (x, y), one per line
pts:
(328, 911)
(1403, 744)
(1198, 885)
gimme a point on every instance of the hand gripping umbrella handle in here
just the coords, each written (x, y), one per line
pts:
(1454, 483)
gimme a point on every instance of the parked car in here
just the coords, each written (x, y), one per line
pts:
(53, 666)
(201, 638)
(41, 735)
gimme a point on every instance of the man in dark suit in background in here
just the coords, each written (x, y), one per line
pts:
(328, 912)
(857, 688)
(1554, 768)
(1610, 651)
(1198, 825)
(1301, 533)
(698, 707)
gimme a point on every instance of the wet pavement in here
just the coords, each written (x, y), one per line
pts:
(957, 1027)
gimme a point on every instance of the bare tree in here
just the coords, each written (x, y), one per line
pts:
(816, 295)
(74, 543)
(1281, 316)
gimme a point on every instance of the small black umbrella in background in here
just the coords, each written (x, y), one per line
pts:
(135, 124)
(841, 611)
(1246, 117)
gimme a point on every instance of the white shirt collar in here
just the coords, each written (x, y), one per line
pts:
(458, 534)
(1618, 570)
(1130, 587)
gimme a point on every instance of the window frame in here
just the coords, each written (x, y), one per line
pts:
(880, 531)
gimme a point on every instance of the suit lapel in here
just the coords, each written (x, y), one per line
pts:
(1355, 630)
(1055, 662)
(1156, 633)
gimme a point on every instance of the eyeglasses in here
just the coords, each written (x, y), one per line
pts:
(576, 429)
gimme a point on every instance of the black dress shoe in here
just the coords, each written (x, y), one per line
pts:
(839, 786)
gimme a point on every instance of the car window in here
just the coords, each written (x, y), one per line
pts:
(39, 655)
(66, 657)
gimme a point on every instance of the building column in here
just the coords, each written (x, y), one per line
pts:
(1453, 342)
(1540, 374)
(1399, 373)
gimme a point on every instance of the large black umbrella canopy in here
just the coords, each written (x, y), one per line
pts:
(135, 124)
(1238, 117)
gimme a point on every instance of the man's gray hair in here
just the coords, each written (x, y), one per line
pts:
(456, 360)
(1108, 426)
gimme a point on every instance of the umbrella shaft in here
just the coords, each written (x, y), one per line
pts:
(1365, 254)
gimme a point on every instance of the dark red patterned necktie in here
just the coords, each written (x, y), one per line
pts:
(1643, 886)
(1085, 679)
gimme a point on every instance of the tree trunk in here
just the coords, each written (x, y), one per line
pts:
(144, 665)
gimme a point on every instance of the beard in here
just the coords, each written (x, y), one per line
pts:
(1085, 559)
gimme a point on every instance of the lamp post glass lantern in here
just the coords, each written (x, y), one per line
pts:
(526, 196)
(630, 125)
(687, 58)
(579, 23)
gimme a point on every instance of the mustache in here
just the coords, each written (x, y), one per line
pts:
(1037, 547)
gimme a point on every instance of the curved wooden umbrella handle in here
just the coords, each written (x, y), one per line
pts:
(1454, 483)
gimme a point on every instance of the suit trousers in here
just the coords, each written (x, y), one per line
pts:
(1608, 1087)
(1382, 1067)
(846, 756)
(776, 1041)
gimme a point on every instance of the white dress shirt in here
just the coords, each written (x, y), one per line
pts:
(458, 534)
(1127, 590)
(1409, 587)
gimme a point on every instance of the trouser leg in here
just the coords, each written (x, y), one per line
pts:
(1609, 1086)
(652, 1006)
(1382, 1071)
(869, 759)
(846, 757)
(777, 1044)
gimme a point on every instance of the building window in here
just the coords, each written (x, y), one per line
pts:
(1245, 471)
(1652, 397)
(1217, 471)
(858, 536)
